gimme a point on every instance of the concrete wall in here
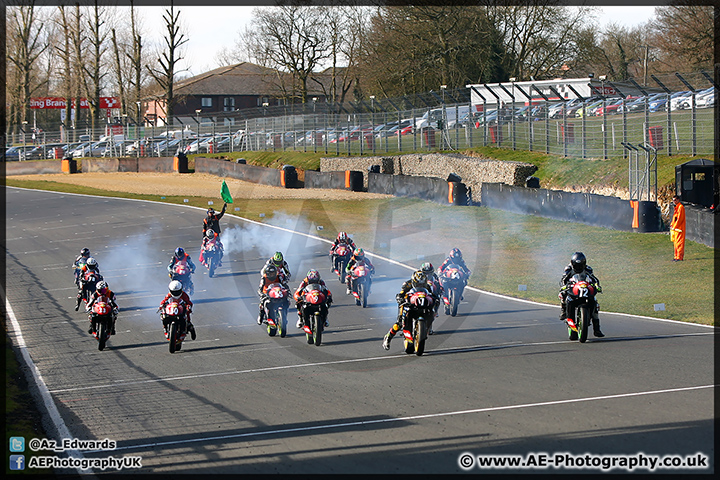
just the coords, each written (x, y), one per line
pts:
(241, 171)
(426, 188)
(473, 171)
(591, 209)
(128, 164)
(324, 179)
(33, 167)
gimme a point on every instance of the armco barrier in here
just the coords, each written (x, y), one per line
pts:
(241, 171)
(33, 167)
(426, 188)
(587, 208)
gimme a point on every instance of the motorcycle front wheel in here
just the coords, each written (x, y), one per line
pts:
(318, 329)
(420, 334)
(173, 337)
(582, 320)
(102, 335)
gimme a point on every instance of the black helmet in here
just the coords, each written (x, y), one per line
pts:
(85, 252)
(179, 252)
(427, 268)
(578, 262)
(270, 271)
(455, 254)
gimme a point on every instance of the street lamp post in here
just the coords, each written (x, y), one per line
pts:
(197, 118)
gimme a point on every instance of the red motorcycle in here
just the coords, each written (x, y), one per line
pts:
(418, 317)
(452, 280)
(182, 273)
(175, 324)
(314, 312)
(210, 255)
(276, 306)
(340, 258)
(580, 302)
(360, 282)
(101, 318)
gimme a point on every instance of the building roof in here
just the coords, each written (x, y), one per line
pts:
(240, 79)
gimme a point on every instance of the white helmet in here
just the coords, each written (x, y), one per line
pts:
(91, 263)
(210, 233)
(176, 289)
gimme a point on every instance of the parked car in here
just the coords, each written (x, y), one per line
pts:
(706, 100)
(588, 109)
(611, 106)
(17, 153)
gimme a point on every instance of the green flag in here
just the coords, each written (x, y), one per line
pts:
(225, 193)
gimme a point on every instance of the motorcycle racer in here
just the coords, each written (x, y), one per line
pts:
(578, 264)
(175, 291)
(455, 256)
(89, 272)
(313, 276)
(211, 235)
(281, 266)
(344, 239)
(358, 258)
(268, 276)
(81, 259)
(103, 290)
(418, 280)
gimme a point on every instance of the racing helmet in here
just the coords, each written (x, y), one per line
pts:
(179, 252)
(427, 268)
(313, 276)
(359, 253)
(455, 254)
(277, 259)
(578, 262)
(342, 237)
(270, 272)
(85, 252)
(210, 233)
(91, 263)
(419, 279)
(176, 289)
(102, 287)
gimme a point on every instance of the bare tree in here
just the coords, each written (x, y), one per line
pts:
(684, 36)
(25, 49)
(293, 39)
(93, 65)
(65, 52)
(170, 56)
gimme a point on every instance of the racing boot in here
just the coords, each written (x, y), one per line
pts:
(77, 305)
(191, 329)
(596, 325)
(91, 330)
(300, 321)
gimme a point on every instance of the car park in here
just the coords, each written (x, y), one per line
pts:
(17, 153)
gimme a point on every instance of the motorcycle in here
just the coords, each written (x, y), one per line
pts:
(453, 284)
(101, 318)
(77, 270)
(210, 255)
(340, 258)
(175, 324)
(88, 282)
(314, 313)
(360, 281)
(276, 305)
(580, 301)
(182, 273)
(418, 317)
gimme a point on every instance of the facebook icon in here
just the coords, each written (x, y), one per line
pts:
(17, 462)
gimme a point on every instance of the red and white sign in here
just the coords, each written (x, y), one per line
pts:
(59, 102)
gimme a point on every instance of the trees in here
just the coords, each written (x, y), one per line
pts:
(24, 49)
(169, 57)
(683, 34)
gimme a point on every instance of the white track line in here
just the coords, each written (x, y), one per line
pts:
(57, 420)
(468, 348)
(410, 418)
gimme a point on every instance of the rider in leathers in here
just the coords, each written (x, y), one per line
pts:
(103, 290)
(313, 276)
(360, 258)
(268, 276)
(175, 292)
(578, 264)
(418, 280)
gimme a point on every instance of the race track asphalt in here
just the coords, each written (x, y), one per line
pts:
(499, 380)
